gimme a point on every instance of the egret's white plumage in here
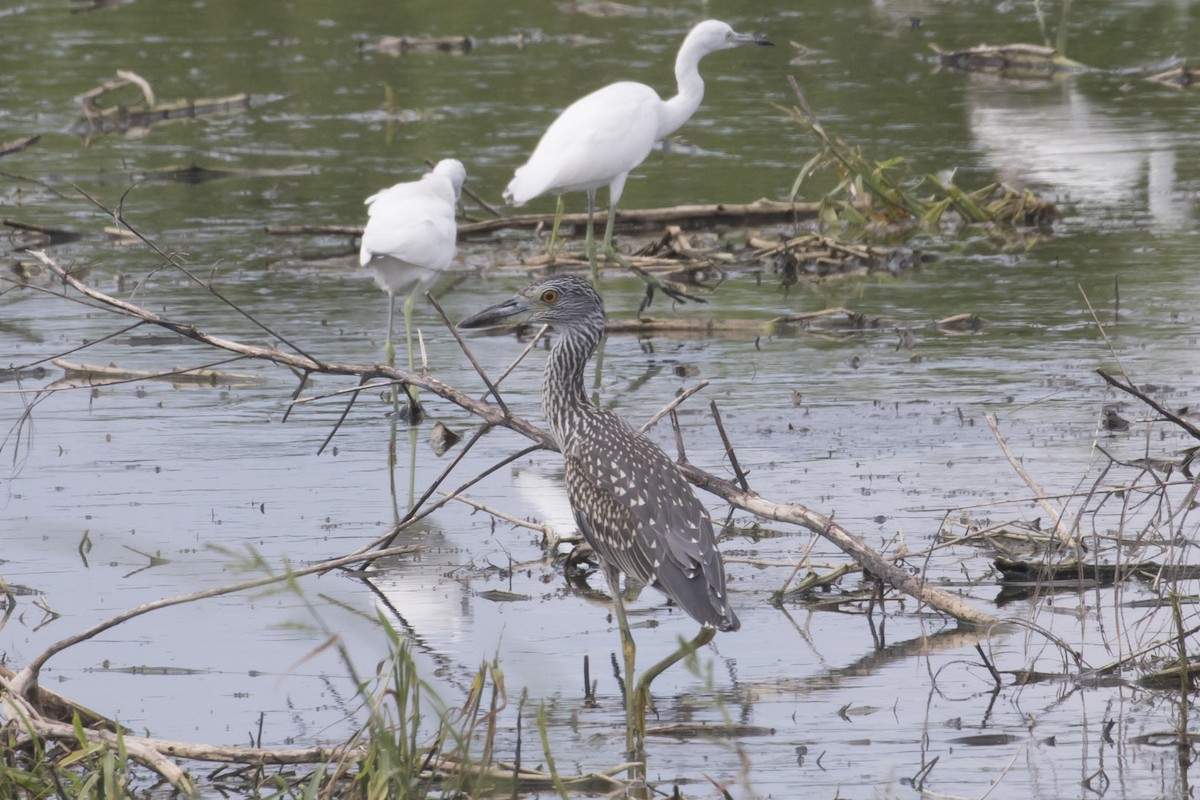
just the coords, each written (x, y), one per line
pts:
(410, 237)
(600, 137)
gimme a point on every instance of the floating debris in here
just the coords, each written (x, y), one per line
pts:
(1181, 77)
(97, 119)
(39, 235)
(442, 439)
(400, 46)
(502, 596)
(1103, 574)
(196, 174)
(1010, 60)
(17, 145)
(1113, 421)
(813, 255)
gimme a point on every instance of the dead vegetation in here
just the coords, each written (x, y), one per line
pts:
(882, 198)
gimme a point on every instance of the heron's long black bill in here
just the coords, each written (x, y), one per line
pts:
(513, 311)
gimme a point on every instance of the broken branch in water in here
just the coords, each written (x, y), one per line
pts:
(94, 118)
(17, 145)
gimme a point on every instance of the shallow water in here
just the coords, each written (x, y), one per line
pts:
(888, 443)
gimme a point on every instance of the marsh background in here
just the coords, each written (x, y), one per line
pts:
(889, 443)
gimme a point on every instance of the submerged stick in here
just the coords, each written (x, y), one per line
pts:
(1060, 532)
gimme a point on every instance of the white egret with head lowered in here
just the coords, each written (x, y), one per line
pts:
(410, 238)
(600, 137)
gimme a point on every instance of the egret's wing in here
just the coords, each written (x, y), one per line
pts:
(597, 138)
(410, 228)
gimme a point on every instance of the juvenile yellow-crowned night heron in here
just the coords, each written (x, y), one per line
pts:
(630, 500)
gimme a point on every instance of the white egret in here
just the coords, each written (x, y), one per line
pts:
(600, 137)
(410, 238)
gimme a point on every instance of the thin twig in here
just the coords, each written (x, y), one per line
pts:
(678, 437)
(412, 516)
(987, 662)
(676, 401)
(299, 388)
(342, 418)
(729, 453)
(467, 352)
(1060, 531)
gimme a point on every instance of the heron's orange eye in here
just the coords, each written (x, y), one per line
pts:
(550, 296)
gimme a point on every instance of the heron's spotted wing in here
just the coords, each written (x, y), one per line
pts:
(635, 508)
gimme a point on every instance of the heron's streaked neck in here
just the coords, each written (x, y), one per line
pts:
(564, 399)
(680, 108)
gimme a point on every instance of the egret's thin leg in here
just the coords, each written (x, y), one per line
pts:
(389, 349)
(641, 693)
(608, 228)
(614, 196)
(610, 252)
(409, 302)
(628, 653)
(591, 238)
(415, 412)
(558, 214)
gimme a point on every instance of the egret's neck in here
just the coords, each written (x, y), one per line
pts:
(564, 400)
(680, 108)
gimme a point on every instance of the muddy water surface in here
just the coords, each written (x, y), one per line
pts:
(890, 437)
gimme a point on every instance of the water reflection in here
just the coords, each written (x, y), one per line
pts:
(1053, 136)
(543, 489)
